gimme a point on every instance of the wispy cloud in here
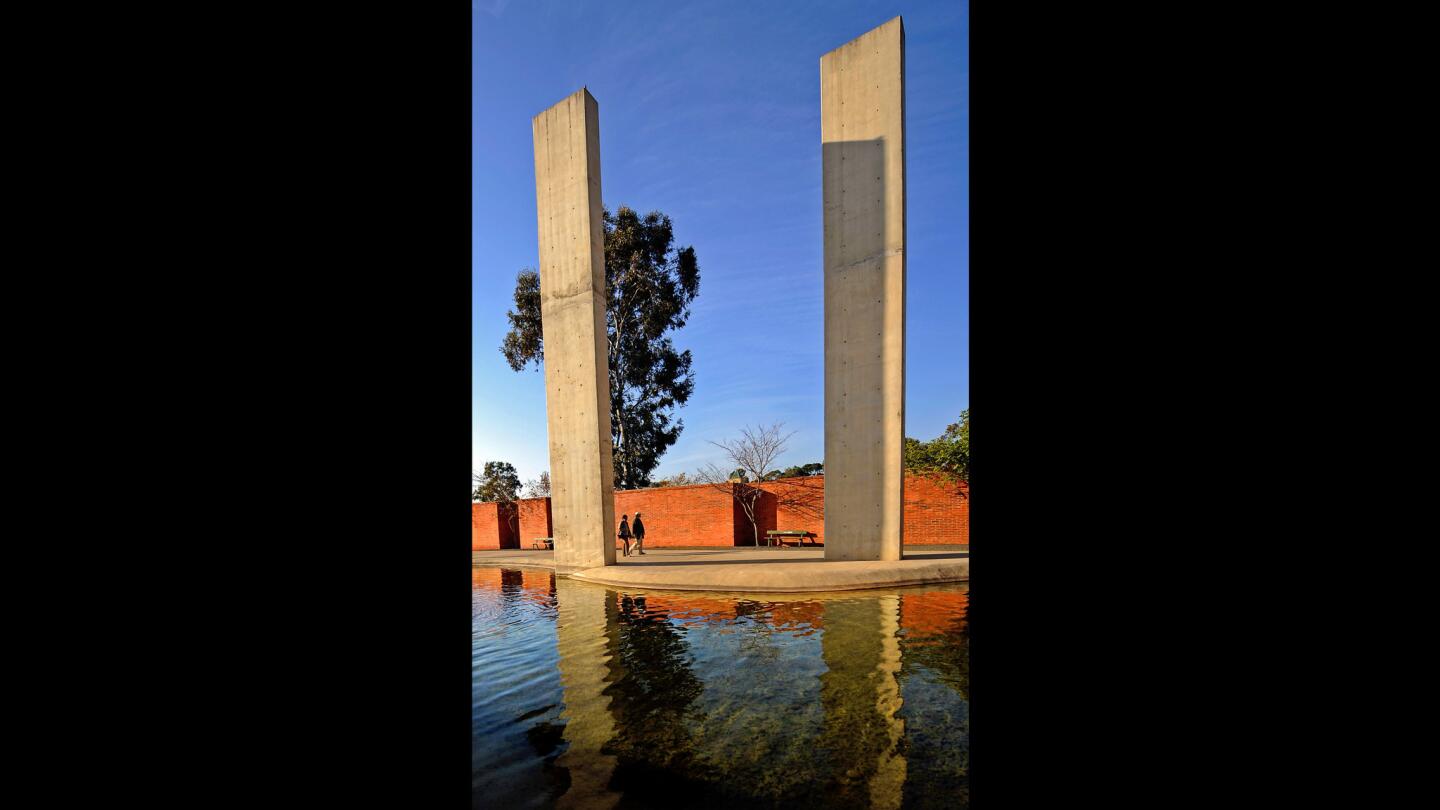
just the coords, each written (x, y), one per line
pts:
(492, 7)
(710, 112)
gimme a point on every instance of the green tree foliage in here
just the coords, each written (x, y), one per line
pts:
(947, 456)
(800, 471)
(649, 284)
(499, 482)
(677, 480)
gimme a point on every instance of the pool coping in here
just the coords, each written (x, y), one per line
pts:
(749, 571)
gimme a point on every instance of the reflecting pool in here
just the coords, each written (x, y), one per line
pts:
(587, 696)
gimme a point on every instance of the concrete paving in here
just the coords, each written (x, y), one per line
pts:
(751, 570)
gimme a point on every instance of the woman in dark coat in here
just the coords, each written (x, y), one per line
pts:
(625, 531)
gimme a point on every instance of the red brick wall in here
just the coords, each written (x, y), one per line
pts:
(534, 520)
(484, 526)
(764, 518)
(490, 527)
(698, 515)
(935, 512)
(797, 505)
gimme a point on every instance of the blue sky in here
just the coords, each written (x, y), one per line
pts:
(710, 113)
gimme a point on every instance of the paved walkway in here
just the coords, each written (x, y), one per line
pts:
(773, 570)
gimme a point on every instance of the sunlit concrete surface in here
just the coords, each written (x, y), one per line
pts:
(767, 570)
(572, 306)
(862, 134)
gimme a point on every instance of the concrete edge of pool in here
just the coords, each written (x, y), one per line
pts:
(751, 570)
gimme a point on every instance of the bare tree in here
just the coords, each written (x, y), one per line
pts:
(754, 455)
(800, 495)
(538, 487)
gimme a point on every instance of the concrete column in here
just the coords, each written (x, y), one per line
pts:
(572, 310)
(862, 134)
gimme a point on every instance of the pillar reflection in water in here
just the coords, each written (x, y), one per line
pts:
(710, 702)
(860, 694)
(889, 780)
(585, 614)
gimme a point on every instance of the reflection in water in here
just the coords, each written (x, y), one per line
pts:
(886, 785)
(936, 635)
(586, 614)
(652, 688)
(515, 711)
(861, 697)
(935, 667)
(588, 697)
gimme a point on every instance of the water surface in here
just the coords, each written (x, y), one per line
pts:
(588, 696)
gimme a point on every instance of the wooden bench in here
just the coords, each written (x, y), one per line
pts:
(772, 537)
(548, 541)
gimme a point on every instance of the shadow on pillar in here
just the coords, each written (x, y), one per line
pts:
(858, 318)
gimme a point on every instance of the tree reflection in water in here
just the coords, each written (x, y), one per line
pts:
(652, 689)
(719, 700)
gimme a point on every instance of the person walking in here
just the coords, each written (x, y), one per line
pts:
(639, 534)
(625, 531)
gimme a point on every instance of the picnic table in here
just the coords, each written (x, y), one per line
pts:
(772, 537)
(549, 542)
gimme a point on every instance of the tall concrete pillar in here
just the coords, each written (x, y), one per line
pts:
(572, 311)
(862, 134)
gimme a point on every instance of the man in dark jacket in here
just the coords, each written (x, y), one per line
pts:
(625, 530)
(639, 534)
